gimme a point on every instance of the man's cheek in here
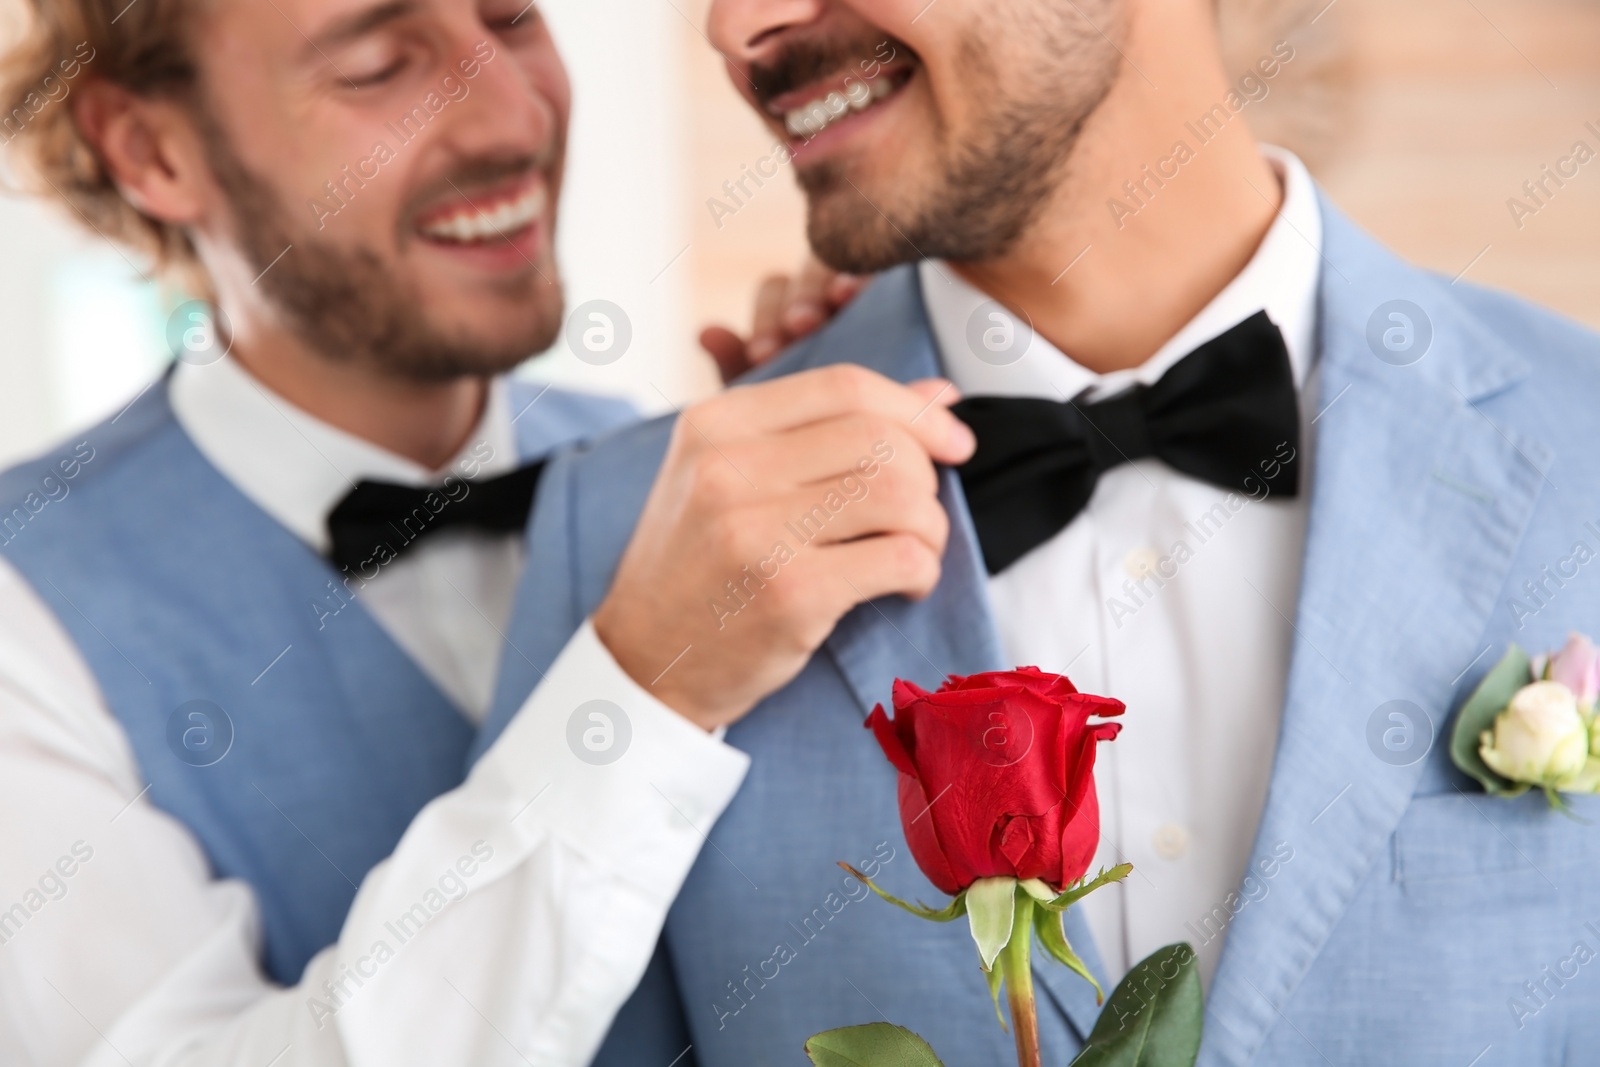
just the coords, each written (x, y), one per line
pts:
(547, 76)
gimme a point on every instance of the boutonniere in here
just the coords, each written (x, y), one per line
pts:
(1530, 724)
(997, 800)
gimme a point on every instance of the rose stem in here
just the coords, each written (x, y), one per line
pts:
(1019, 982)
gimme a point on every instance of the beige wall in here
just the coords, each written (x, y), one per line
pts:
(1420, 117)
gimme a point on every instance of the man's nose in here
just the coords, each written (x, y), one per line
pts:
(743, 29)
(507, 111)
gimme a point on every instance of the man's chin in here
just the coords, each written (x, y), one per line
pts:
(475, 357)
(428, 352)
(856, 241)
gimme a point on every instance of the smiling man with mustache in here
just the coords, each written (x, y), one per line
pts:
(251, 624)
(1236, 465)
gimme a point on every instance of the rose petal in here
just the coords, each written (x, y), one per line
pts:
(1080, 838)
(975, 803)
(923, 837)
(1575, 667)
(905, 693)
(889, 740)
(1080, 810)
(1016, 844)
(1055, 686)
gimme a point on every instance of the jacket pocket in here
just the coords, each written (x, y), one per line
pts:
(1473, 835)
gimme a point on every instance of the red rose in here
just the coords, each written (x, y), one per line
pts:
(997, 775)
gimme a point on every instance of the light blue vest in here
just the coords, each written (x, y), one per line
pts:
(176, 588)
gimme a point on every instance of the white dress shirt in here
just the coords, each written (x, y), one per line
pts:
(1200, 655)
(145, 958)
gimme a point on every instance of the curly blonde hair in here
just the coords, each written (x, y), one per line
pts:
(141, 46)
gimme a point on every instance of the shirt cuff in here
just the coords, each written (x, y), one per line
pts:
(616, 774)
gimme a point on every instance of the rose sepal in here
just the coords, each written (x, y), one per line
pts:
(991, 909)
(1076, 893)
(994, 977)
(1053, 936)
(955, 909)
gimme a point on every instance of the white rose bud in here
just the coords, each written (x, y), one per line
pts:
(1540, 739)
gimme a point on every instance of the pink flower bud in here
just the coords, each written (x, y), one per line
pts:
(1577, 666)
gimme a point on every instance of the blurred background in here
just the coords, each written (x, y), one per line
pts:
(1422, 120)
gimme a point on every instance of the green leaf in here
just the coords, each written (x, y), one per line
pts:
(1154, 1016)
(870, 1045)
(1054, 939)
(954, 910)
(1477, 715)
(1083, 889)
(990, 905)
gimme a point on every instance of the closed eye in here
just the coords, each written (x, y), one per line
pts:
(378, 77)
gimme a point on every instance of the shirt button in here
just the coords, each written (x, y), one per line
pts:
(1171, 841)
(1140, 562)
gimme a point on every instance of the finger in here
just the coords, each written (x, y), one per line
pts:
(844, 288)
(832, 517)
(853, 444)
(807, 305)
(825, 392)
(762, 347)
(767, 336)
(878, 566)
(770, 299)
(727, 350)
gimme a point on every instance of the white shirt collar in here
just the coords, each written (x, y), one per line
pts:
(296, 467)
(1281, 279)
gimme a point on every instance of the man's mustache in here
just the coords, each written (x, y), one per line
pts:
(804, 62)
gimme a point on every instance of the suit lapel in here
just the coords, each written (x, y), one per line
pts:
(1418, 503)
(952, 631)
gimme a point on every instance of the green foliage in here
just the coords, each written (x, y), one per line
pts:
(1491, 697)
(870, 1045)
(1154, 1016)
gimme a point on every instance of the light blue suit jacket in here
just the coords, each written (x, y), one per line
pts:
(1419, 920)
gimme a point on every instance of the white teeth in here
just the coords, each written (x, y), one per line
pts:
(811, 118)
(509, 217)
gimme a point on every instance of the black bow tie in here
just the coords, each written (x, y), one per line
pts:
(377, 521)
(1226, 414)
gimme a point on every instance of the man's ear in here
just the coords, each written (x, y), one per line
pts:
(150, 148)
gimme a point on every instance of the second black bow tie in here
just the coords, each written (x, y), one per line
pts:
(377, 521)
(1226, 413)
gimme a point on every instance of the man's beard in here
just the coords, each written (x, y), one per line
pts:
(346, 303)
(995, 181)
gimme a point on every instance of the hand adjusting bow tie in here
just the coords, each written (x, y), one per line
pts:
(377, 521)
(1226, 413)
